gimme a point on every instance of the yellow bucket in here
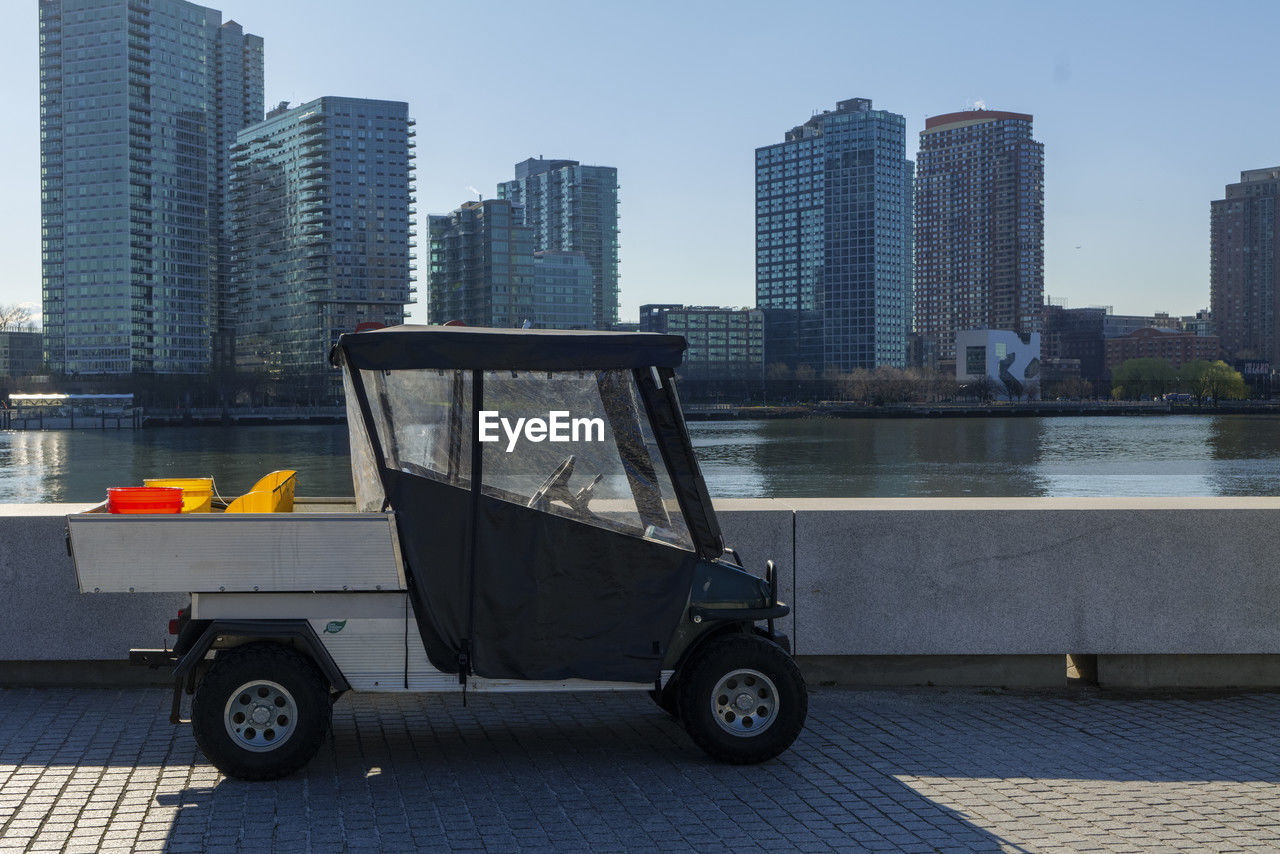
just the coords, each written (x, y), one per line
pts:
(197, 492)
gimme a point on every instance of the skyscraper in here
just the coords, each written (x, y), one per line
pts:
(833, 240)
(485, 271)
(139, 99)
(321, 204)
(1244, 267)
(979, 248)
(481, 269)
(573, 208)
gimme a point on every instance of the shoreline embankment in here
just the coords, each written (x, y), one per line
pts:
(1015, 409)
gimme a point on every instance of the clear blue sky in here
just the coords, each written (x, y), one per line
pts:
(1146, 111)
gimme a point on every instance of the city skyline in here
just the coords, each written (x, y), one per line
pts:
(1143, 245)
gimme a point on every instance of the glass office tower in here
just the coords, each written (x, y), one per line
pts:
(138, 100)
(487, 271)
(482, 258)
(833, 241)
(573, 208)
(321, 207)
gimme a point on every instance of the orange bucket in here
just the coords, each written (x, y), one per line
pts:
(144, 499)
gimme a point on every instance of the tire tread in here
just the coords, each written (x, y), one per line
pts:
(709, 664)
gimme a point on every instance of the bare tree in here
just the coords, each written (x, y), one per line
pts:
(982, 388)
(13, 316)
(860, 385)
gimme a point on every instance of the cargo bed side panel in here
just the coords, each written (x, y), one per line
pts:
(266, 552)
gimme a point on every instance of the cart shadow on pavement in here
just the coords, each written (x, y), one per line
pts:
(566, 773)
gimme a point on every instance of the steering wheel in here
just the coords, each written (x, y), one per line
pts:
(584, 496)
(556, 487)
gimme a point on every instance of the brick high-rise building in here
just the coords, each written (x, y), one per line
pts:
(1244, 267)
(979, 227)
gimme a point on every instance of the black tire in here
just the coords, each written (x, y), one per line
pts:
(668, 699)
(267, 682)
(730, 724)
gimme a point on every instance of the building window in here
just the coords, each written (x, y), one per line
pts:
(975, 361)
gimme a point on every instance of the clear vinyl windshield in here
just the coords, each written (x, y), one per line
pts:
(573, 443)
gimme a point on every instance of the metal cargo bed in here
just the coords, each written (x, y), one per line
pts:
(322, 546)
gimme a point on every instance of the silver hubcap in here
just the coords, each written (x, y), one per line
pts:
(260, 715)
(745, 702)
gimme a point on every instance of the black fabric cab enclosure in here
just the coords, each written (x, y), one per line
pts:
(528, 556)
(555, 599)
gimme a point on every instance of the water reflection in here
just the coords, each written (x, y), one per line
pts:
(1164, 455)
(30, 464)
(1152, 455)
(79, 465)
(1246, 455)
(870, 457)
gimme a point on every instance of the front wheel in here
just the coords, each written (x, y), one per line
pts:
(261, 712)
(742, 699)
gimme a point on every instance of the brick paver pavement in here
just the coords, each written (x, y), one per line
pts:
(89, 770)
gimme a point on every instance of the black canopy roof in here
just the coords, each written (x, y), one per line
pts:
(478, 348)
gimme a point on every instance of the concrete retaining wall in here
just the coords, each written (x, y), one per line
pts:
(1155, 592)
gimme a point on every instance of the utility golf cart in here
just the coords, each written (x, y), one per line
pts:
(529, 516)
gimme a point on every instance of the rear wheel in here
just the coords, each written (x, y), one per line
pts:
(261, 712)
(742, 699)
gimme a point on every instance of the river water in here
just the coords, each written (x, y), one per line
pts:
(1125, 455)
